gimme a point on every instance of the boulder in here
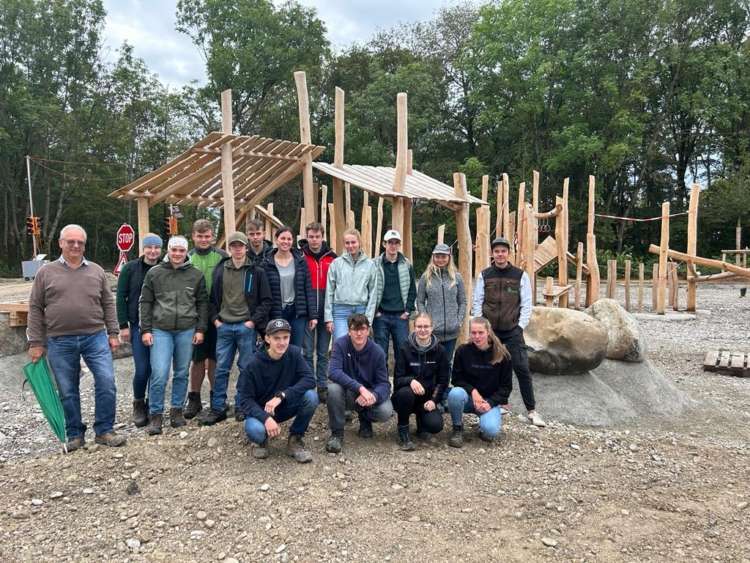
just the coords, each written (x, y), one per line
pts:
(564, 341)
(624, 338)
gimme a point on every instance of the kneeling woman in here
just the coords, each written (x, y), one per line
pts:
(482, 381)
(421, 377)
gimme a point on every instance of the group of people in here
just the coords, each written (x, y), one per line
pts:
(274, 309)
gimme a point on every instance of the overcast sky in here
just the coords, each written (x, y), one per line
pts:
(148, 25)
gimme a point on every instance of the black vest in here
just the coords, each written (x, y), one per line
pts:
(502, 297)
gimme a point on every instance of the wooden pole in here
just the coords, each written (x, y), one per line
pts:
(674, 287)
(269, 224)
(441, 234)
(692, 243)
(408, 233)
(664, 247)
(499, 209)
(549, 285)
(628, 266)
(399, 177)
(483, 231)
(611, 278)
(737, 241)
(592, 286)
(365, 229)
(379, 230)
(143, 222)
(464, 240)
(655, 287)
(535, 201)
(562, 243)
(324, 207)
(641, 276)
(303, 104)
(338, 217)
(530, 247)
(579, 274)
(227, 180)
(507, 229)
(332, 231)
(521, 209)
(348, 204)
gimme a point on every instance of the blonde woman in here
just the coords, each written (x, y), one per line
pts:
(351, 286)
(482, 381)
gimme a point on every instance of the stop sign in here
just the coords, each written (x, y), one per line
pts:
(125, 237)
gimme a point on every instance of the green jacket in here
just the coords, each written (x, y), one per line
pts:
(174, 298)
(206, 262)
(406, 281)
(351, 282)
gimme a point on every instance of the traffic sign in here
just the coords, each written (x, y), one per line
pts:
(125, 237)
(120, 263)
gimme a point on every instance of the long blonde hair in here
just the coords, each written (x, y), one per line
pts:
(432, 270)
(499, 351)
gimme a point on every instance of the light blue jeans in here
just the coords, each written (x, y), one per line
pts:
(230, 338)
(301, 410)
(341, 314)
(459, 402)
(175, 348)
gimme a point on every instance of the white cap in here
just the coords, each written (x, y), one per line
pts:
(177, 242)
(392, 234)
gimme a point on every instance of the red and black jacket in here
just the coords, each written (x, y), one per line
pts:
(318, 264)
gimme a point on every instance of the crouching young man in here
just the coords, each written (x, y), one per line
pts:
(358, 374)
(275, 386)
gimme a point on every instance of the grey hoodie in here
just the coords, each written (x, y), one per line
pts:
(445, 304)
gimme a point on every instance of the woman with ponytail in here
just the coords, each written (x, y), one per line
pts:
(482, 381)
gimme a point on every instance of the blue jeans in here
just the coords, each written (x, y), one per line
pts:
(459, 402)
(142, 361)
(387, 326)
(289, 313)
(341, 314)
(64, 354)
(173, 347)
(317, 341)
(230, 338)
(302, 410)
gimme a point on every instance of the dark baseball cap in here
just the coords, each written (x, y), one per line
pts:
(501, 241)
(278, 325)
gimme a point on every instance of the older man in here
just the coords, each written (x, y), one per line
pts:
(72, 314)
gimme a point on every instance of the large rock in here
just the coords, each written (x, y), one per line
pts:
(564, 341)
(624, 337)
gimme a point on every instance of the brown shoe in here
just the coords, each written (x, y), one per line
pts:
(296, 448)
(154, 424)
(176, 418)
(75, 444)
(111, 439)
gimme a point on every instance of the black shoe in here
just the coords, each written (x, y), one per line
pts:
(211, 417)
(348, 416)
(365, 428)
(404, 440)
(140, 414)
(194, 405)
(322, 395)
(335, 444)
(457, 437)
(154, 425)
(176, 418)
(239, 416)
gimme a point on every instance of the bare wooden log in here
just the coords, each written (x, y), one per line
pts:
(379, 230)
(562, 242)
(324, 207)
(227, 180)
(549, 299)
(700, 261)
(407, 234)
(664, 246)
(441, 234)
(507, 229)
(579, 274)
(611, 278)
(628, 266)
(143, 222)
(464, 238)
(655, 286)
(332, 233)
(692, 242)
(641, 276)
(499, 208)
(399, 177)
(592, 286)
(520, 210)
(338, 216)
(303, 106)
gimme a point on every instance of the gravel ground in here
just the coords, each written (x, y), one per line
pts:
(656, 490)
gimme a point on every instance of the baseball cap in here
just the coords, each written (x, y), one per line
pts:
(392, 234)
(441, 249)
(278, 325)
(501, 241)
(237, 237)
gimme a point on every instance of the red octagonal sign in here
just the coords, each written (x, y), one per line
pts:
(125, 237)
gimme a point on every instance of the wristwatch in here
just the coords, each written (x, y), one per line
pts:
(280, 395)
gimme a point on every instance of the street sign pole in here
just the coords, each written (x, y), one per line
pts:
(125, 239)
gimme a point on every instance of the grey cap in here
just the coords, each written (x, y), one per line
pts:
(237, 236)
(278, 325)
(442, 249)
(501, 241)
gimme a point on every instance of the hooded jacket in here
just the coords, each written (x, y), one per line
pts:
(444, 302)
(264, 377)
(351, 368)
(174, 298)
(261, 256)
(256, 289)
(129, 284)
(472, 370)
(352, 282)
(429, 366)
(304, 297)
(318, 264)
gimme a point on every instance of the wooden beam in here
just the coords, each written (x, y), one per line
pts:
(692, 245)
(628, 266)
(663, 249)
(520, 210)
(339, 212)
(303, 103)
(407, 235)
(529, 247)
(402, 147)
(464, 241)
(562, 251)
(379, 229)
(579, 274)
(592, 285)
(700, 261)
(227, 180)
(254, 154)
(324, 206)
(482, 258)
(143, 222)
(269, 224)
(499, 209)
(641, 276)
(611, 278)
(441, 234)
(507, 230)
(332, 234)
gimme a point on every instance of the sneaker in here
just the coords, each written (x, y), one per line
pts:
(335, 444)
(535, 419)
(211, 417)
(295, 448)
(75, 443)
(176, 418)
(111, 439)
(194, 405)
(457, 437)
(140, 413)
(365, 428)
(404, 439)
(260, 451)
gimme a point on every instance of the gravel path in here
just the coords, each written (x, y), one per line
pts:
(672, 489)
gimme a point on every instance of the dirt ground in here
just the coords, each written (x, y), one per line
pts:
(658, 490)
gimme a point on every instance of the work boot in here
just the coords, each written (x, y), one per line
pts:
(140, 414)
(322, 395)
(295, 448)
(194, 405)
(176, 418)
(239, 416)
(154, 425)
(457, 437)
(111, 439)
(260, 451)
(404, 440)
(75, 443)
(422, 434)
(365, 427)
(335, 443)
(211, 417)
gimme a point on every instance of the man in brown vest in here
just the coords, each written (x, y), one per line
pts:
(502, 294)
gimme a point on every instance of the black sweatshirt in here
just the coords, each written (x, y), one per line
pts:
(430, 367)
(472, 370)
(264, 377)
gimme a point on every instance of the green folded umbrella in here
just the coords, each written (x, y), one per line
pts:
(39, 376)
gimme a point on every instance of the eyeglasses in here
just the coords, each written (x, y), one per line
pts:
(74, 242)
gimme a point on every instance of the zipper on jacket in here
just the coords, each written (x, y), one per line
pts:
(445, 314)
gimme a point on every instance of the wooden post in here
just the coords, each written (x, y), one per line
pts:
(499, 208)
(530, 246)
(399, 177)
(507, 229)
(269, 224)
(611, 278)
(332, 231)
(737, 241)
(520, 210)
(655, 287)
(464, 240)
(406, 234)
(561, 238)
(379, 230)
(324, 207)
(579, 274)
(365, 228)
(348, 205)
(338, 217)
(143, 222)
(303, 104)
(664, 247)
(692, 243)
(483, 231)
(535, 201)
(641, 276)
(628, 265)
(549, 299)
(441, 234)
(227, 180)
(592, 287)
